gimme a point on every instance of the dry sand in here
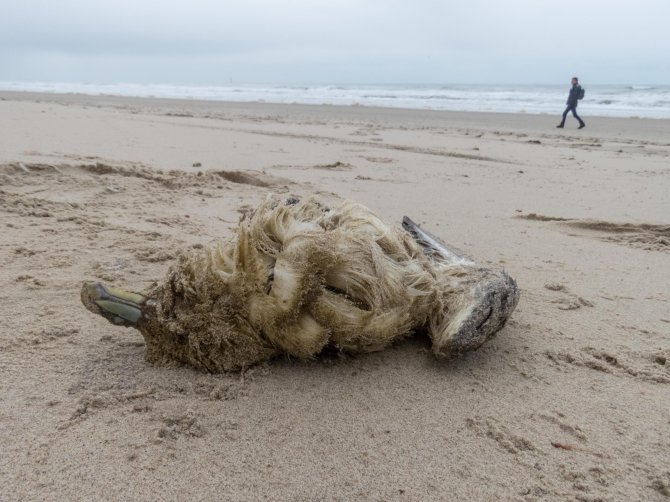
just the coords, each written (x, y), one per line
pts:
(570, 402)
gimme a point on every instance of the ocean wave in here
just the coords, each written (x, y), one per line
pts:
(608, 100)
(412, 96)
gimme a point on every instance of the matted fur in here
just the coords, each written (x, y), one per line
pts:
(298, 276)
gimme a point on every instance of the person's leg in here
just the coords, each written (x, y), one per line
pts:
(574, 114)
(565, 114)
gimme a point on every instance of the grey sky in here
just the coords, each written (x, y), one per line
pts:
(335, 41)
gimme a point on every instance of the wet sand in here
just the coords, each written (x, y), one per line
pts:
(570, 402)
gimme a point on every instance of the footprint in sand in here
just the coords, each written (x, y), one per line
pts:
(568, 300)
(646, 236)
(646, 366)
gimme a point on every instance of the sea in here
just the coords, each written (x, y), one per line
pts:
(638, 101)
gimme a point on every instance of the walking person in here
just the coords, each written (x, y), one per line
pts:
(576, 93)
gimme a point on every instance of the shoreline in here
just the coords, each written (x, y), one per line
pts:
(112, 99)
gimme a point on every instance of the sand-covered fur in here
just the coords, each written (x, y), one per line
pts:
(299, 276)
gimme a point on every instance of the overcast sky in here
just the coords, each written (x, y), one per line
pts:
(335, 41)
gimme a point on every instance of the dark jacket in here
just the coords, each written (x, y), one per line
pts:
(573, 97)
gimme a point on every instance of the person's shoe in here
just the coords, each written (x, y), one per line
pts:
(559, 126)
(581, 126)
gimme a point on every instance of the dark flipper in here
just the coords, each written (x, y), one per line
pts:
(433, 246)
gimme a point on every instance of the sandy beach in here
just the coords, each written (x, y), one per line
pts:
(571, 401)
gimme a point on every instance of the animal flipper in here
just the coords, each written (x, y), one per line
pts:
(434, 247)
(118, 306)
